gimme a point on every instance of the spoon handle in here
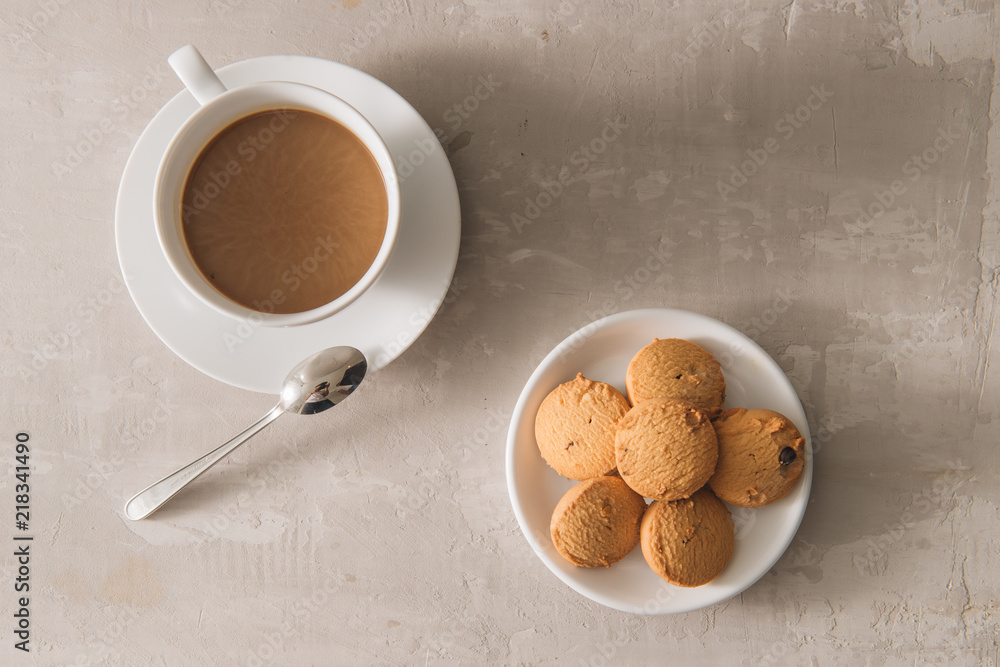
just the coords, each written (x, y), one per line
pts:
(153, 496)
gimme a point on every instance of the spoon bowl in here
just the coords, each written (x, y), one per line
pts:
(323, 380)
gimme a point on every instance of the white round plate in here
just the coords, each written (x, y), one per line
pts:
(602, 351)
(381, 323)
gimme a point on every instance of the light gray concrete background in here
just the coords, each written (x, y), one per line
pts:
(383, 534)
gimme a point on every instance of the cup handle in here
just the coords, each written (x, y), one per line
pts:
(195, 74)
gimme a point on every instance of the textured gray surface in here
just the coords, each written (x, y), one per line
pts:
(383, 533)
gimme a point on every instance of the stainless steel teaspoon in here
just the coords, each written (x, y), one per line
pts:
(320, 382)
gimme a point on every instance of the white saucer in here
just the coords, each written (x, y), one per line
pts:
(602, 351)
(381, 323)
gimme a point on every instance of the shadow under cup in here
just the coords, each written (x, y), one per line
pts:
(278, 237)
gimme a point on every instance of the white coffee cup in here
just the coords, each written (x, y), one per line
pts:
(219, 109)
